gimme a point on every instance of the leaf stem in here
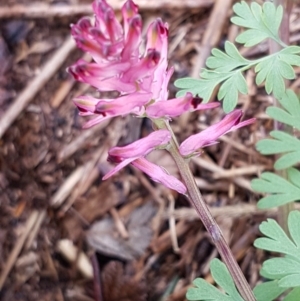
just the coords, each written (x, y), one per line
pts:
(284, 33)
(197, 201)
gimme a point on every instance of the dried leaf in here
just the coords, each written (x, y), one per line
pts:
(104, 237)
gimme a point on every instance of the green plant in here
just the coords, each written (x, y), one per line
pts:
(205, 291)
(226, 70)
(284, 272)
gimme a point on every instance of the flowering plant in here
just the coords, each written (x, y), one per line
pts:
(141, 81)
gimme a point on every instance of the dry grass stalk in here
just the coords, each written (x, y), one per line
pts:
(34, 86)
(41, 10)
(212, 34)
(18, 246)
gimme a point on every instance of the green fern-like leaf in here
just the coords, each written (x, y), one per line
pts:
(280, 191)
(263, 22)
(231, 56)
(283, 271)
(290, 111)
(294, 295)
(282, 143)
(268, 291)
(274, 69)
(204, 291)
(225, 68)
(229, 91)
(271, 290)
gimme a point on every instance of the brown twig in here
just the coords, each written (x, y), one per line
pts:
(77, 144)
(39, 10)
(240, 181)
(18, 247)
(36, 84)
(97, 278)
(172, 224)
(212, 34)
(119, 224)
(232, 211)
(284, 33)
(231, 173)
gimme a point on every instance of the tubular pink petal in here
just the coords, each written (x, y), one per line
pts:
(114, 28)
(109, 50)
(129, 10)
(98, 36)
(113, 84)
(81, 28)
(157, 37)
(144, 67)
(114, 107)
(90, 39)
(170, 108)
(109, 84)
(177, 106)
(205, 106)
(118, 167)
(106, 20)
(86, 103)
(143, 146)
(157, 174)
(102, 71)
(230, 122)
(160, 81)
(98, 52)
(133, 39)
(95, 121)
(122, 105)
(243, 123)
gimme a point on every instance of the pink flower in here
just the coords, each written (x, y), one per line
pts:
(135, 152)
(157, 174)
(231, 122)
(108, 108)
(118, 64)
(177, 106)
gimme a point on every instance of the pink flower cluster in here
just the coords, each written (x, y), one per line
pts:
(141, 80)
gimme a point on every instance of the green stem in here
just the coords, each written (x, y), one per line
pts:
(244, 67)
(197, 201)
(284, 33)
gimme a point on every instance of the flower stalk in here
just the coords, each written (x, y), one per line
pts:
(284, 210)
(195, 198)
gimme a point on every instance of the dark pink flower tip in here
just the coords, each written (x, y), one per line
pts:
(193, 144)
(132, 39)
(107, 21)
(157, 37)
(129, 11)
(157, 32)
(177, 106)
(143, 68)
